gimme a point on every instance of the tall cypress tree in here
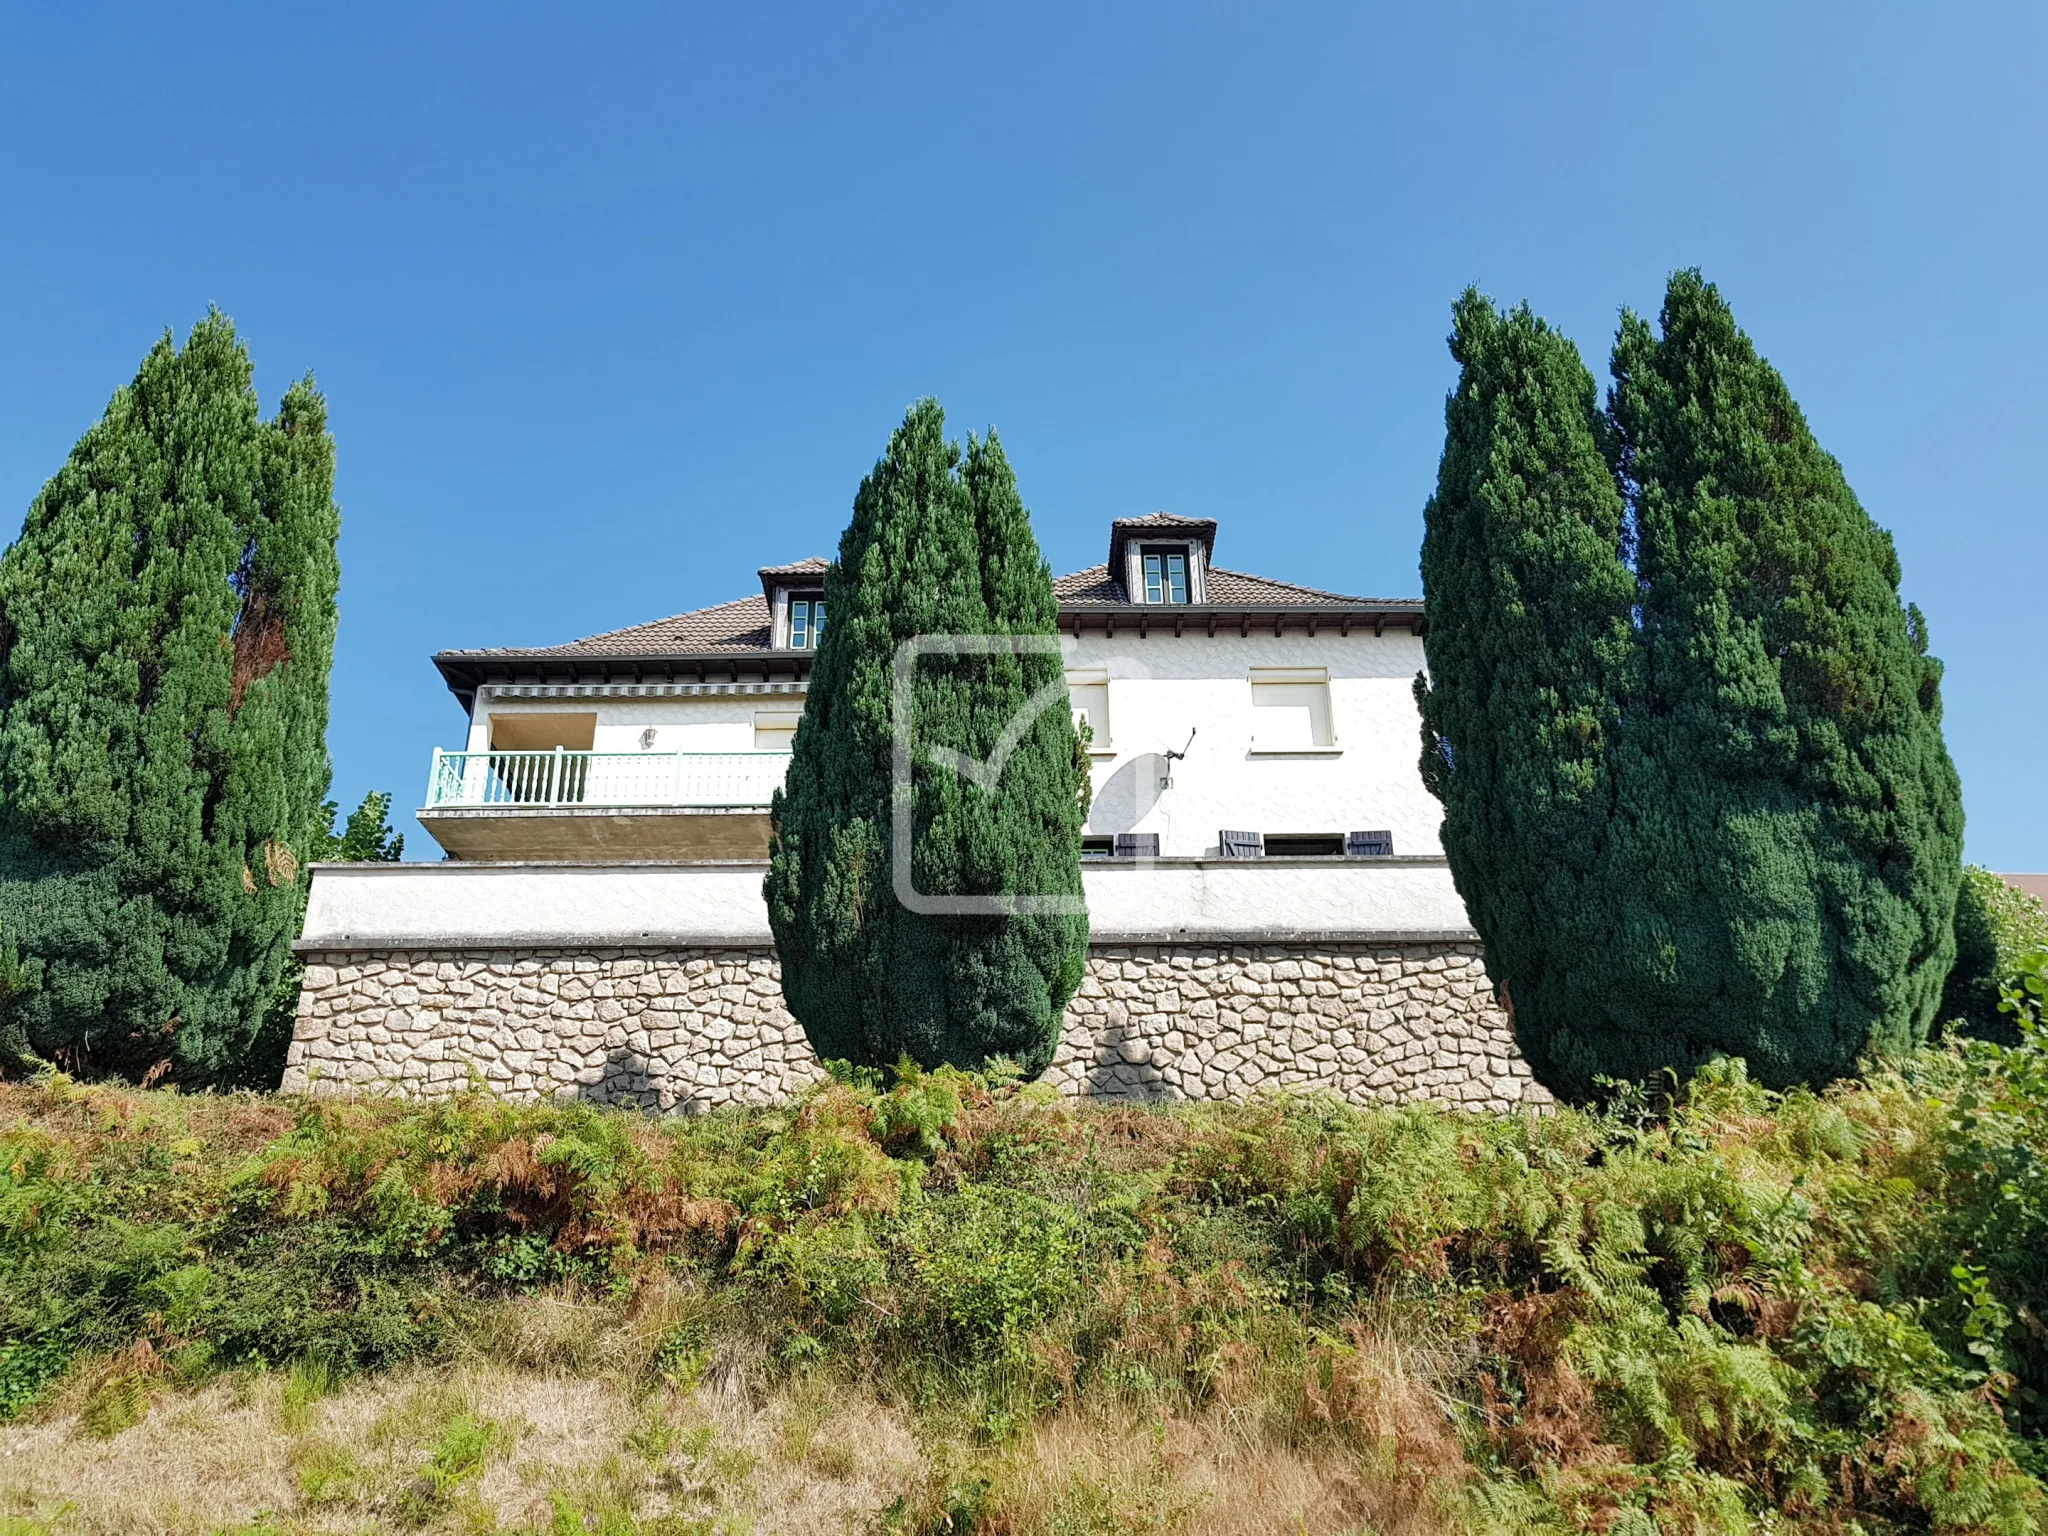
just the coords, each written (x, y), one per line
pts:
(1529, 648)
(938, 545)
(167, 623)
(1772, 845)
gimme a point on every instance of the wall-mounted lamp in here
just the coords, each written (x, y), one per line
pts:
(647, 739)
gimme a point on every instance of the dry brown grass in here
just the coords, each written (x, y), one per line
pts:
(217, 1459)
(1205, 1477)
(729, 1456)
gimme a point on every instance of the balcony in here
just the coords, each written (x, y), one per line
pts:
(602, 806)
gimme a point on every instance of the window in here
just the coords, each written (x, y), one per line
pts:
(1166, 575)
(1098, 847)
(806, 623)
(775, 730)
(1291, 710)
(1088, 697)
(1304, 845)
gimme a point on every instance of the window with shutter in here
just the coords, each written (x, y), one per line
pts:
(775, 730)
(1291, 710)
(1088, 697)
(1241, 845)
(1369, 844)
(1137, 845)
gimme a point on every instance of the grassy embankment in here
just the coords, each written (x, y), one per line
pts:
(946, 1307)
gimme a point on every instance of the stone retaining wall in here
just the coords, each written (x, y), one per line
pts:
(684, 1030)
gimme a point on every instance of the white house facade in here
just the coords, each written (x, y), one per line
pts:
(1269, 905)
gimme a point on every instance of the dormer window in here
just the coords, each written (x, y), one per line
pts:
(1166, 574)
(806, 622)
(1160, 559)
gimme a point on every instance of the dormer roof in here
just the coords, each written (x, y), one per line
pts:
(1160, 525)
(807, 572)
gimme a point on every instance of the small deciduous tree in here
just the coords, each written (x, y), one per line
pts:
(366, 838)
(940, 544)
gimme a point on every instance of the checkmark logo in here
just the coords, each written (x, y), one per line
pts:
(989, 774)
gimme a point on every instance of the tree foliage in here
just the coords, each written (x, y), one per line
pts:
(940, 544)
(1996, 924)
(167, 622)
(366, 838)
(1687, 738)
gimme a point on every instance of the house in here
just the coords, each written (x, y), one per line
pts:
(1268, 900)
(1230, 715)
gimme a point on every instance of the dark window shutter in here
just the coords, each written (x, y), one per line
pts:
(1137, 845)
(1241, 845)
(1369, 844)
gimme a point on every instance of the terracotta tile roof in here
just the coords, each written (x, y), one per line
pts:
(741, 626)
(1090, 586)
(1095, 585)
(810, 565)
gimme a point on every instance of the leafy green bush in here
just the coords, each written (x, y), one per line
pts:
(1996, 924)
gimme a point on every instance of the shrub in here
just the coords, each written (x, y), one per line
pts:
(1996, 924)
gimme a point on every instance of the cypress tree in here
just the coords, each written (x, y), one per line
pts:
(167, 623)
(1772, 841)
(939, 544)
(1529, 648)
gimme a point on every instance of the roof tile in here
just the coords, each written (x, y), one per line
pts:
(742, 626)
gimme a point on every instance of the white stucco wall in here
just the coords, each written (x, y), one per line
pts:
(704, 723)
(480, 905)
(1159, 688)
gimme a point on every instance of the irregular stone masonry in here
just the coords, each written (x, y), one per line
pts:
(685, 1030)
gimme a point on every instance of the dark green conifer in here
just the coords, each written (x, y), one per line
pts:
(1772, 844)
(167, 622)
(1529, 648)
(937, 546)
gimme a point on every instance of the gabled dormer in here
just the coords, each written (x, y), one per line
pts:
(796, 604)
(1162, 560)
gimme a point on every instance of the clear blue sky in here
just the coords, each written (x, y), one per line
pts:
(613, 305)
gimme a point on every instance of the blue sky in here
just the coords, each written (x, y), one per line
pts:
(613, 304)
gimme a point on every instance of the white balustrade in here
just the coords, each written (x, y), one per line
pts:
(561, 777)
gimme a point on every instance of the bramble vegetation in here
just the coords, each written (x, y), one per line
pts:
(1735, 1310)
(1998, 926)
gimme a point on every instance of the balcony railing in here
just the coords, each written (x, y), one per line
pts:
(706, 779)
